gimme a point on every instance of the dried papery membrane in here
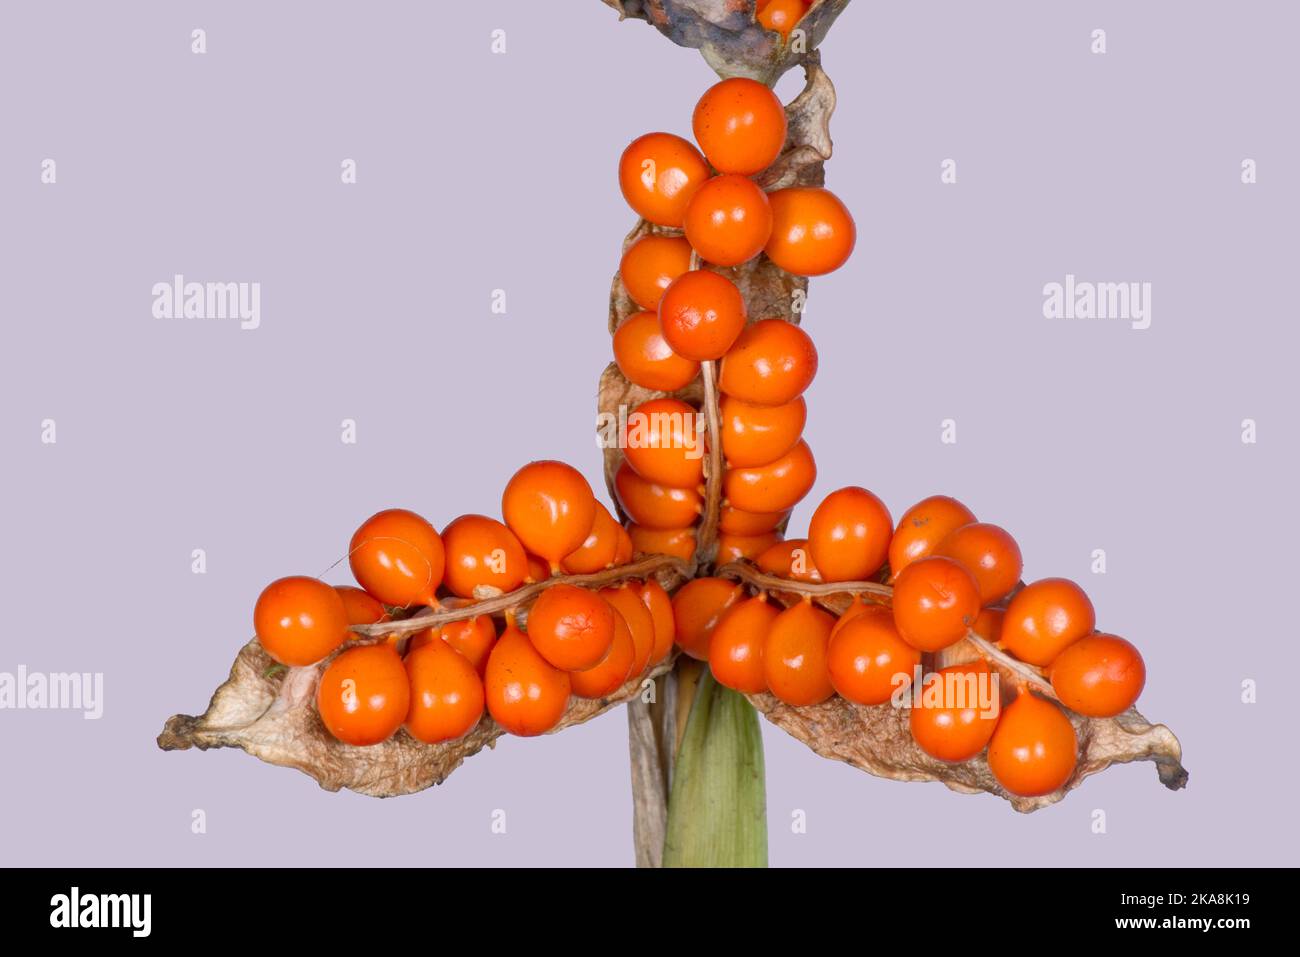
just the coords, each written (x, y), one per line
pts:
(878, 740)
(729, 37)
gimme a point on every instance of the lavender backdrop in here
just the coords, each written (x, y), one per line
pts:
(479, 171)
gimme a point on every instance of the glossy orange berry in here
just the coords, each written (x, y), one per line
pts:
(482, 553)
(361, 608)
(812, 231)
(733, 548)
(757, 434)
(678, 542)
(664, 442)
(300, 620)
(740, 125)
(774, 487)
(599, 548)
(989, 553)
(398, 558)
(650, 264)
(794, 656)
(956, 712)
(728, 220)
(571, 627)
(867, 659)
(653, 505)
(364, 695)
(923, 526)
(446, 694)
(1045, 618)
(781, 16)
(645, 358)
(790, 559)
(736, 647)
(772, 363)
(655, 599)
(1034, 748)
(659, 173)
(550, 507)
(701, 314)
(935, 601)
(614, 669)
(627, 604)
(849, 534)
(473, 638)
(1099, 675)
(735, 521)
(525, 694)
(697, 607)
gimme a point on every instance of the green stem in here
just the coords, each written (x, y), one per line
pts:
(717, 812)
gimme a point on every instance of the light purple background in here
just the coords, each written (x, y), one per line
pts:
(479, 171)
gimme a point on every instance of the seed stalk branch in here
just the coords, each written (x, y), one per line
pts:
(706, 539)
(820, 591)
(644, 568)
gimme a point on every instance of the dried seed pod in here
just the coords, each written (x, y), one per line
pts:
(728, 35)
(270, 712)
(878, 739)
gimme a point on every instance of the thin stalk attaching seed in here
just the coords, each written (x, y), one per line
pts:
(706, 538)
(521, 596)
(1027, 673)
(746, 573)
